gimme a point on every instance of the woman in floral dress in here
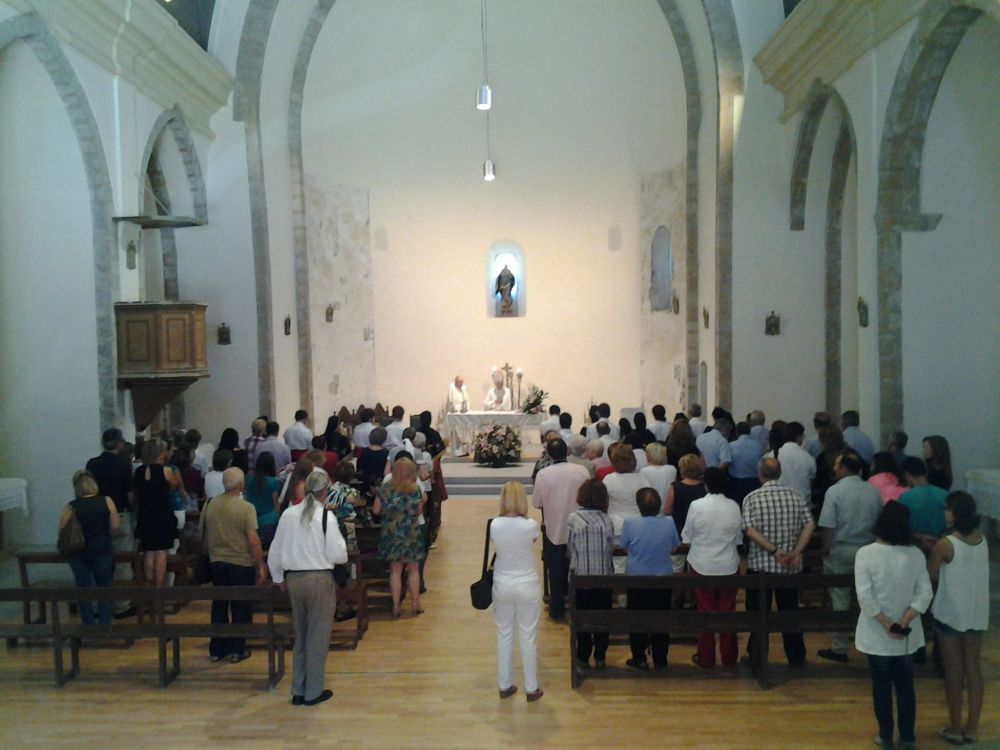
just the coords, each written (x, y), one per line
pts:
(400, 502)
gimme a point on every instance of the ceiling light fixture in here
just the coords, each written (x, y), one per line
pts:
(489, 173)
(484, 98)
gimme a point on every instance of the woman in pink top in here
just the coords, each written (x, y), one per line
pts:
(884, 477)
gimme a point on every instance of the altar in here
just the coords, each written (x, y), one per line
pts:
(465, 424)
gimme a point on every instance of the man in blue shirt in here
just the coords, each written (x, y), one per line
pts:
(925, 501)
(745, 454)
(856, 440)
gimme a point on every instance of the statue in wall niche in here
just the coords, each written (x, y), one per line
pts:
(862, 312)
(772, 324)
(504, 287)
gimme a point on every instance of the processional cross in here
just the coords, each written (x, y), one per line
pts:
(508, 373)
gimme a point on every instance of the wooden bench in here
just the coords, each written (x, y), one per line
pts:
(761, 622)
(276, 635)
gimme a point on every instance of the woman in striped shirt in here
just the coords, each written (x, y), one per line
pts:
(591, 535)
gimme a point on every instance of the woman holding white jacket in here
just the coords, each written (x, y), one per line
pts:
(517, 592)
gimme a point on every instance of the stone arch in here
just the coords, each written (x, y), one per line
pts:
(844, 151)
(30, 28)
(730, 81)
(940, 28)
(174, 119)
(685, 49)
(246, 109)
(820, 94)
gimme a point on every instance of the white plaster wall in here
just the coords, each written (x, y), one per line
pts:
(389, 106)
(48, 377)
(216, 267)
(951, 310)
(773, 268)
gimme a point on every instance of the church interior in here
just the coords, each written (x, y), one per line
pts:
(777, 205)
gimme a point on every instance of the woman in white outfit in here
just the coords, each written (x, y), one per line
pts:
(893, 588)
(960, 563)
(517, 593)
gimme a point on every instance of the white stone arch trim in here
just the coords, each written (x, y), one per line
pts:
(30, 28)
(941, 27)
(246, 109)
(174, 119)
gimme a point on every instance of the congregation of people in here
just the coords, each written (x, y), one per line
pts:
(688, 497)
(276, 508)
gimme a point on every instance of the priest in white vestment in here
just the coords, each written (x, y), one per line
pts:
(458, 403)
(498, 398)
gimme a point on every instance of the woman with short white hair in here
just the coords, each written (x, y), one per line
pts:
(517, 593)
(658, 472)
(306, 547)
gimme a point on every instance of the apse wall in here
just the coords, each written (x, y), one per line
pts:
(951, 336)
(588, 98)
(48, 334)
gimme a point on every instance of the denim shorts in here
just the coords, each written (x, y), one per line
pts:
(943, 629)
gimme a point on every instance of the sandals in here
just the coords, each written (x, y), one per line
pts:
(951, 738)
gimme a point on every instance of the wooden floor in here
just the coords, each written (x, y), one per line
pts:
(430, 682)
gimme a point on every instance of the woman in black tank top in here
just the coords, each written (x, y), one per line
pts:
(94, 566)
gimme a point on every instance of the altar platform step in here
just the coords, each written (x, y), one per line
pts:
(464, 478)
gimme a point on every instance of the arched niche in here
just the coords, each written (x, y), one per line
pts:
(509, 255)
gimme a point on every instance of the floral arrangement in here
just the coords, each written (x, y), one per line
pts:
(534, 400)
(496, 444)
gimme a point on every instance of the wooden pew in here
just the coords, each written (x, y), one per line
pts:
(276, 635)
(760, 622)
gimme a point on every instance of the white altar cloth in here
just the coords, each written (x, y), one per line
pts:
(465, 425)
(984, 485)
(13, 494)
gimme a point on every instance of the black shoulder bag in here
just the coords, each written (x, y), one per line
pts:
(482, 590)
(341, 571)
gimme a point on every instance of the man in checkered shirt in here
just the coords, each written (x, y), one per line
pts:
(778, 523)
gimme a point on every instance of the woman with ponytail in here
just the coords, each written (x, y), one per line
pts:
(306, 546)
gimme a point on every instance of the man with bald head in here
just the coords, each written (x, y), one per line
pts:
(229, 536)
(778, 522)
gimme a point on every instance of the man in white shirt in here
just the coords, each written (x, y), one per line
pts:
(856, 440)
(660, 427)
(846, 524)
(565, 427)
(798, 468)
(550, 423)
(603, 432)
(714, 445)
(555, 492)
(363, 430)
(199, 459)
(695, 422)
(299, 437)
(603, 415)
(394, 432)
(458, 396)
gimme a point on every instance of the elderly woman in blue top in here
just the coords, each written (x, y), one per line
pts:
(648, 539)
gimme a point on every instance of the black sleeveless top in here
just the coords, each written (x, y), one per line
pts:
(684, 495)
(96, 522)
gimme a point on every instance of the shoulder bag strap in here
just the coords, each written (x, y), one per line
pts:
(486, 547)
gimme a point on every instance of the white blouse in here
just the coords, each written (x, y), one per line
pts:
(890, 579)
(514, 543)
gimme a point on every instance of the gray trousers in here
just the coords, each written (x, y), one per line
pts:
(840, 560)
(314, 599)
(124, 541)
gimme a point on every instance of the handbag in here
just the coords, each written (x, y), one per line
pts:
(482, 590)
(341, 571)
(71, 540)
